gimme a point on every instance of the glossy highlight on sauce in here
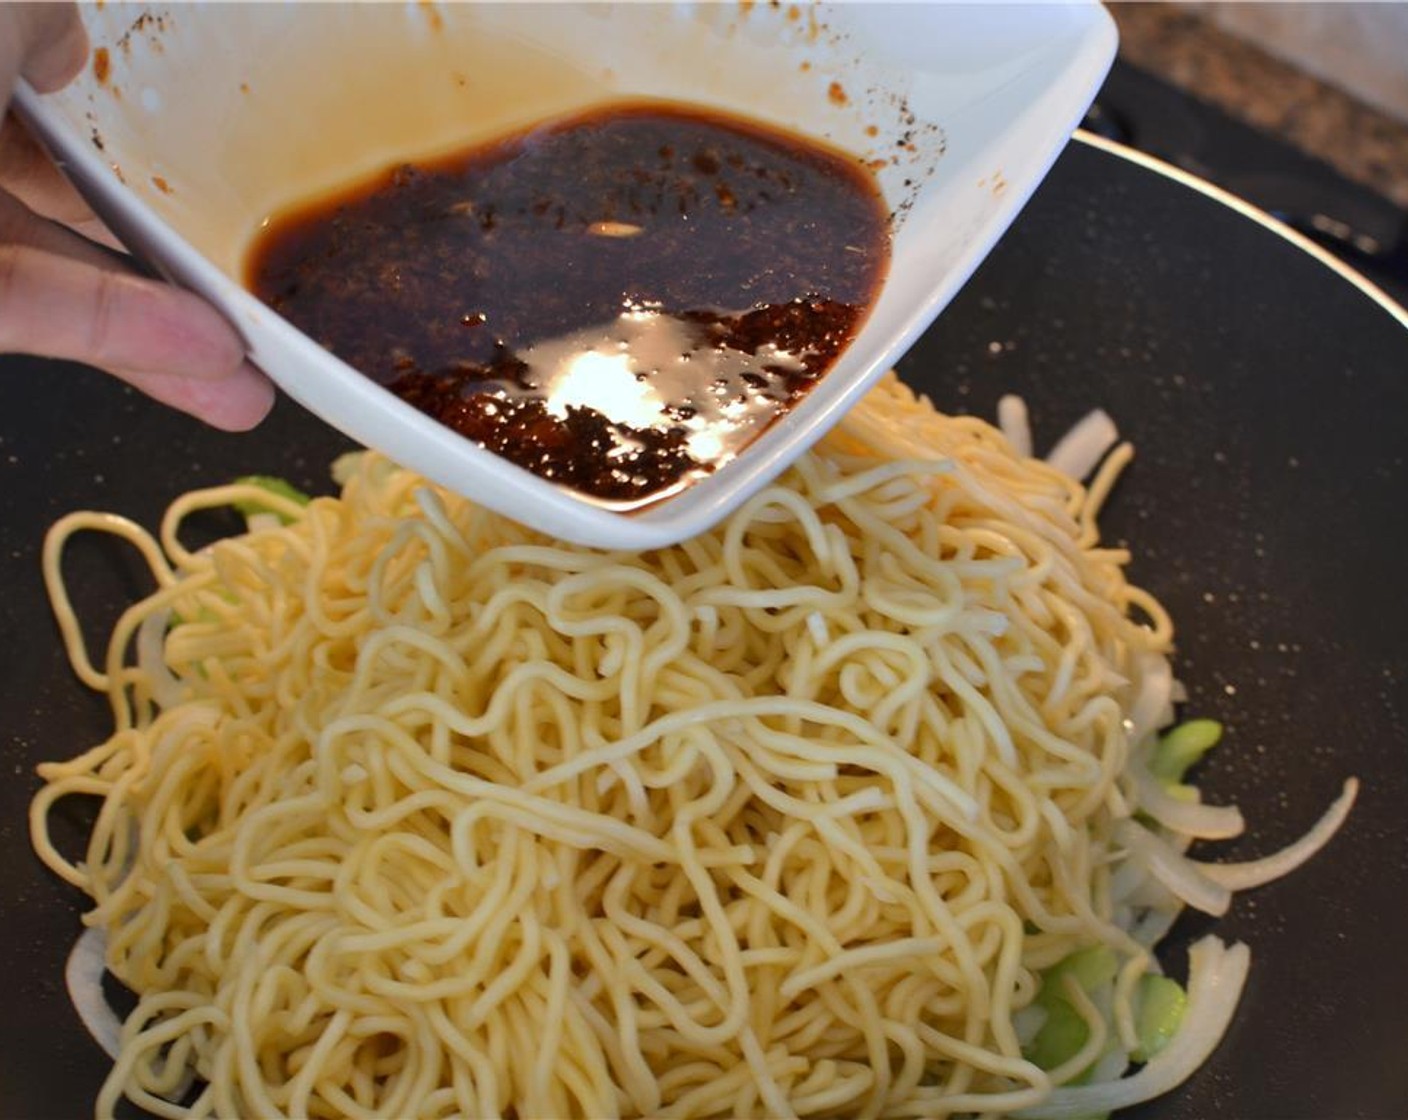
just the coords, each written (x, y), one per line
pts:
(619, 301)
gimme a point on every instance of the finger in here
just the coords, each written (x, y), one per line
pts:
(27, 172)
(234, 404)
(43, 43)
(149, 333)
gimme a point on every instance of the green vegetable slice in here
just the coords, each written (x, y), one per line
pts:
(1160, 1006)
(1060, 1037)
(1091, 968)
(206, 615)
(1182, 746)
(1064, 1032)
(278, 486)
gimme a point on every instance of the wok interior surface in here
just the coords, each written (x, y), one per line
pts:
(1266, 398)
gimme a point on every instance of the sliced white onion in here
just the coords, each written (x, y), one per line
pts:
(83, 976)
(1110, 1066)
(1176, 872)
(1216, 976)
(1153, 703)
(1080, 450)
(1139, 890)
(151, 659)
(1126, 879)
(1027, 1023)
(1254, 873)
(1151, 928)
(1188, 818)
(1013, 421)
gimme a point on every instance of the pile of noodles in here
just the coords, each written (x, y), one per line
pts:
(412, 812)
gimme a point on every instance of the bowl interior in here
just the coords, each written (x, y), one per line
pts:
(194, 123)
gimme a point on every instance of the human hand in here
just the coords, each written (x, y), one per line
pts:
(64, 296)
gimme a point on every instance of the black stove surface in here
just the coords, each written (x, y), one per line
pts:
(1358, 225)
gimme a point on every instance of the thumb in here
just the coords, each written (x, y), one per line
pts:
(43, 43)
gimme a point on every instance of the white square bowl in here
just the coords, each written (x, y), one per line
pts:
(196, 122)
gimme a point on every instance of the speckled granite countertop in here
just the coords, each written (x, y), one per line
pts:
(1362, 144)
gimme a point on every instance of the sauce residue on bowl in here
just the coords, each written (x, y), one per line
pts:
(619, 301)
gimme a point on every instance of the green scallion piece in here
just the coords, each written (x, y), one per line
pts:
(1181, 746)
(1064, 1032)
(1160, 1006)
(279, 486)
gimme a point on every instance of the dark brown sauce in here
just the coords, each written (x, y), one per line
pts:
(618, 301)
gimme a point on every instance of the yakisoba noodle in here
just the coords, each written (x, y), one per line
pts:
(412, 812)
